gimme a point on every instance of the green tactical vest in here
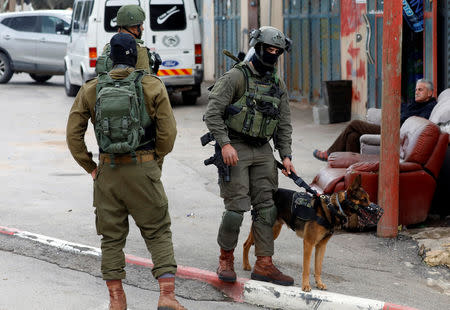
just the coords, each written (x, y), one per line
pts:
(256, 113)
(120, 113)
(104, 63)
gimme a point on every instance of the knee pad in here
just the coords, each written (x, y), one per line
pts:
(265, 216)
(232, 220)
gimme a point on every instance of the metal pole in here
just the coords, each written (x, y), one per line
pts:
(388, 182)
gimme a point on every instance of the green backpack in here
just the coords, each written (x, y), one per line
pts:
(120, 113)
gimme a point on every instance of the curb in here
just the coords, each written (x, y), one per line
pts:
(243, 290)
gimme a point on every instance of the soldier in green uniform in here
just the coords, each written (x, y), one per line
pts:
(130, 19)
(247, 107)
(129, 183)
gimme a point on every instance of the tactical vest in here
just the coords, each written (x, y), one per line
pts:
(121, 118)
(145, 59)
(256, 113)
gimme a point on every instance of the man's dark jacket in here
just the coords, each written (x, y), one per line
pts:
(422, 109)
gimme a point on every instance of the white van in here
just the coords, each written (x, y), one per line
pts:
(171, 28)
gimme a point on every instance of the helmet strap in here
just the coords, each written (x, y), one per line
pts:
(139, 32)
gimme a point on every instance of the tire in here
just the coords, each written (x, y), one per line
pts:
(71, 90)
(189, 98)
(6, 71)
(40, 78)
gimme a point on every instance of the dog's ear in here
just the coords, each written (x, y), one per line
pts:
(355, 184)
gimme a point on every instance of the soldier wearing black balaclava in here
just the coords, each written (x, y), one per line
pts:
(248, 106)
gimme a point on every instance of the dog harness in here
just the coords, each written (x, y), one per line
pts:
(302, 209)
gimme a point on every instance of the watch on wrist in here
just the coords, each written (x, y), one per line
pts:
(288, 156)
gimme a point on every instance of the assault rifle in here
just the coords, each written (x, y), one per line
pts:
(216, 159)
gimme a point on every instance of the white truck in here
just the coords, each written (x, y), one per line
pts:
(171, 29)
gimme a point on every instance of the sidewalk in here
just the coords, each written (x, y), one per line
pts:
(57, 284)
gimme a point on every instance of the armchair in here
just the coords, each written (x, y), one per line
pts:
(422, 152)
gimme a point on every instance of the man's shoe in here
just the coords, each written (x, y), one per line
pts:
(117, 298)
(225, 271)
(321, 155)
(265, 270)
(167, 299)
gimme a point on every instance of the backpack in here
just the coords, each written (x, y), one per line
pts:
(120, 113)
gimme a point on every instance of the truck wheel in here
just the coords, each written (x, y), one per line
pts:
(5, 69)
(71, 90)
(40, 78)
(189, 98)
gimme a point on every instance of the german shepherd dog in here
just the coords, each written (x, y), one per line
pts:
(316, 225)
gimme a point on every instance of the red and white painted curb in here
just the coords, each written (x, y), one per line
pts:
(243, 290)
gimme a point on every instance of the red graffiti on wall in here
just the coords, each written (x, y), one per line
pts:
(359, 72)
(354, 52)
(350, 17)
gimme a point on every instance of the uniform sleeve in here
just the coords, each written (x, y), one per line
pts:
(283, 140)
(161, 113)
(76, 128)
(226, 90)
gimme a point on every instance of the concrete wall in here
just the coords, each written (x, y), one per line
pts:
(244, 25)
(271, 14)
(208, 39)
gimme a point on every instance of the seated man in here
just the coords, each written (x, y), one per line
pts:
(348, 140)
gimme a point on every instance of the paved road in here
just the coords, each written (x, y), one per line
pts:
(45, 192)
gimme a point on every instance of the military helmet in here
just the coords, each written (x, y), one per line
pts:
(130, 15)
(271, 36)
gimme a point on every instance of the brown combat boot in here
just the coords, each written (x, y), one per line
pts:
(167, 299)
(265, 270)
(225, 271)
(117, 298)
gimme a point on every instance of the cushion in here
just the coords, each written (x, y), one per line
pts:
(418, 137)
(441, 112)
(346, 159)
(327, 178)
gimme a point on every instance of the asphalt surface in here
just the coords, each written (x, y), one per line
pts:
(45, 192)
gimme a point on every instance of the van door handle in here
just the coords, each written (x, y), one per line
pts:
(7, 36)
(154, 39)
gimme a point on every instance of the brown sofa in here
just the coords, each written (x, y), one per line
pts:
(422, 152)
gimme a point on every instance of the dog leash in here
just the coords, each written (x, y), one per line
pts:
(298, 180)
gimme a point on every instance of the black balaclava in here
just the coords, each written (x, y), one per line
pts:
(263, 61)
(123, 49)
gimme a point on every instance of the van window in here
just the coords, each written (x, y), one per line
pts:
(76, 16)
(87, 10)
(22, 23)
(111, 8)
(167, 15)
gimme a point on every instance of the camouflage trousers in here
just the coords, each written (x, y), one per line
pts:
(253, 182)
(132, 189)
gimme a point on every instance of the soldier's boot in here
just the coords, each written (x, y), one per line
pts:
(265, 270)
(167, 299)
(117, 298)
(225, 271)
